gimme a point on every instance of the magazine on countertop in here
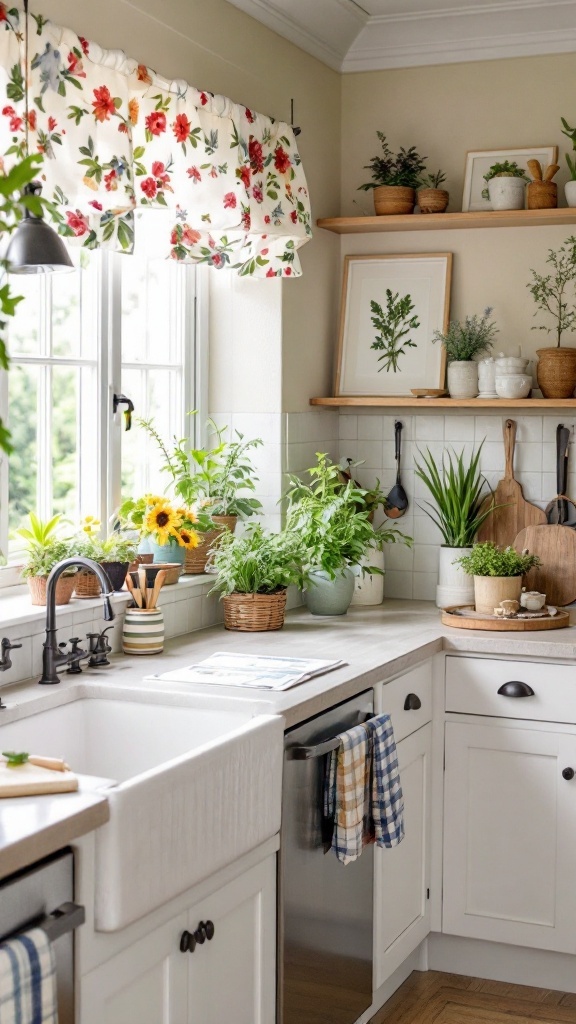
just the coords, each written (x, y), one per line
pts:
(261, 671)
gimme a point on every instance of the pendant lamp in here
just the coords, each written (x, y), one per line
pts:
(35, 248)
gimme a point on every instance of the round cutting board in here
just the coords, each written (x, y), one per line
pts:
(464, 617)
(556, 549)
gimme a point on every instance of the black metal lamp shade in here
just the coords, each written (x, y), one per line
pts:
(35, 248)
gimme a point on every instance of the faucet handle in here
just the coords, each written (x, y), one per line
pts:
(99, 648)
(75, 656)
(8, 646)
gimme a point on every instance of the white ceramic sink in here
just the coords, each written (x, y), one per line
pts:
(195, 789)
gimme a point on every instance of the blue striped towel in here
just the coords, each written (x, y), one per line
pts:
(28, 980)
(387, 803)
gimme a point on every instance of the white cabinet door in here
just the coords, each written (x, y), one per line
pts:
(232, 978)
(402, 906)
(145, 984)
(510, 835)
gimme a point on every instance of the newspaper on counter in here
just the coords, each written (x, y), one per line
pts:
(261, 671)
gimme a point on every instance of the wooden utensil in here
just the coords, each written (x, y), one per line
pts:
(535, 168)
(397, 500)
(134, 591)
(550, 171)
(143, 585)
(158, 582)
(504, 524)
(556, 547)
(561, 509)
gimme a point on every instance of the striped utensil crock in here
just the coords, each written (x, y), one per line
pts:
(143, 631)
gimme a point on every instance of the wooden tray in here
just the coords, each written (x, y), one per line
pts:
(465, 617)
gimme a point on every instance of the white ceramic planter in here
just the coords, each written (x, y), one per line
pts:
(463, 379)
(506, 193)
(570, 193)
(369, 589)
(454, 585)
(324, 596)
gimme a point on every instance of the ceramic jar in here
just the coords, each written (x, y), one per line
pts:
(455, 587)
(513, 385)
(463, 378)
(143, 631)
(570, 193)
(369, 588)
(487, 378)
(532, 601)
(324, 596)
(506, 193)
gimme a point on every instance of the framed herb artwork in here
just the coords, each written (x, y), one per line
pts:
(479, 162)
(391, 307)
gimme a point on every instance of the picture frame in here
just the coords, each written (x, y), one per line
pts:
(479, 162)
(426, 279)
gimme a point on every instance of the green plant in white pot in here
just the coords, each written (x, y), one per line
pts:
(463, 342)
(505, 186)
(570, 186)
(458, 510)
(497, 572)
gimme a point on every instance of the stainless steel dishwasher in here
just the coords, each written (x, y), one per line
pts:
(325, 908)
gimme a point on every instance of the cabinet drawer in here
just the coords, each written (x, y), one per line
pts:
(472, 686)
(392, 697)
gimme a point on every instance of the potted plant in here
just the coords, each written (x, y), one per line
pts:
(570, 186)
(505, 186)
(394, 178)
(169, 530)
(253, 573)
(114, 554)
(463, 342)
(497, 573)
(553, 294)
(45, 549)
(458, 511)
(431, 198)
(213, 481)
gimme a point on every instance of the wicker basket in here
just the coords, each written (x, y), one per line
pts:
(556, 372)
(542, 195)
(433, 200)
(390, 199)
(254, 613)
(86, 584)
(64, 587)
(196, 558)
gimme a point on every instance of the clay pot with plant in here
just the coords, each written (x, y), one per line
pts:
(431, 198)
(114, 553)
(555, 298)
(463, 342)
(498, 574)
(505, 186)
(45, 547)
(394, 179)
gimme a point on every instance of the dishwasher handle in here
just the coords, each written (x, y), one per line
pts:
(64, 919)
(302, 753)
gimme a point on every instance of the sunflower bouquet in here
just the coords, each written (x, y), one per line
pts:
(163, 522)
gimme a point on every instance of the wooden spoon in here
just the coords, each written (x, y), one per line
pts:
(142, 579)
(158, 582)
(134, 591)
(551, 170)
(535, 168)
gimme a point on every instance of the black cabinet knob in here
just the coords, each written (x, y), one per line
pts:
(200, 934)
(209, 929)
(515, 688)
(568, 774)
(187, 942)
(412, 702)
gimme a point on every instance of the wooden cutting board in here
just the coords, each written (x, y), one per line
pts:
(29, 780)
(556, 547)
(506, 523)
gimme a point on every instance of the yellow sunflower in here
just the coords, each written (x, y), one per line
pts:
(188, 538)
(162, 521)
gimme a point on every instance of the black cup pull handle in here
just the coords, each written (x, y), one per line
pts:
(515, 688)
(412, 702)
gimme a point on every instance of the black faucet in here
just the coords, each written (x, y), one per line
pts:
(6, 660)
(51, 656)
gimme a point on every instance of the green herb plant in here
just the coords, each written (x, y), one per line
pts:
(506, 169)
(458, 495)
(550, 291)
(393, 326)
(404, 168)
(468, 338)
(115, 548)
(571, 134)
(258, 562)
(45, 546)
(211, 478)
(432, 180)
(487, 559)
(14, 758)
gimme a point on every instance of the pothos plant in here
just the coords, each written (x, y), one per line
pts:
(393, 325)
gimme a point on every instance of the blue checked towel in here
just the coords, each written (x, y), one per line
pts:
(28, 980)
(362, 791)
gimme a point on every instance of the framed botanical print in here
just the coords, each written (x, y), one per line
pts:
(391, 307)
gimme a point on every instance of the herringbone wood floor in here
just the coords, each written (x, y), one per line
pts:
(435, 998)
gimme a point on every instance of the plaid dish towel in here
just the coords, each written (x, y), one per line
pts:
(28, 980)
(387, 802)
(346, 793)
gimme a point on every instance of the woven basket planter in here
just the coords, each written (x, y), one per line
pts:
(391, 199)
(556, 372)
(196, 558)
(542, 195)
(86, 584)
(64, 588)
(433, 200)
(254, 613)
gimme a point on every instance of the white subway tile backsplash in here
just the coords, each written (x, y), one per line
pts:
(399, 557)
(429, 428)
(348, 428)
(488, 428)
(424, 586)
(425, 558)
(398, 584)
(459, 428)
(370, 428)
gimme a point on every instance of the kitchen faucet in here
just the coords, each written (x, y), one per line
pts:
(51, 656)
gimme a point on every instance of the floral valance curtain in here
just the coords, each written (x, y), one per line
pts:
(116, 136)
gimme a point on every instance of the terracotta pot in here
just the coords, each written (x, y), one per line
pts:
(433, 200)
(64, 588)
(489, 591)
(391, 199)
(556, 372)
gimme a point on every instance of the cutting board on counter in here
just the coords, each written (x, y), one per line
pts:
(30, 780)
(556, 548)
(505, 523)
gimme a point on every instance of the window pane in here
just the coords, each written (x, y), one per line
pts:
(65, 448)
(25, 327)
(157, 394)
(23, 464)
(75, 307)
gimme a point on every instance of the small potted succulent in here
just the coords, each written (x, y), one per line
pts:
(431, 198)
(253, 573)
(505, 186)
(497, 572)
(570, 186)
(394, 178)
(463, 342)
(114, 554)
(554, 296)
(45, 548)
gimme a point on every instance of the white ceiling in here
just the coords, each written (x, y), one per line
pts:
(370, 35)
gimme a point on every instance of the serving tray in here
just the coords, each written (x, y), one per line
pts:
(465, 617)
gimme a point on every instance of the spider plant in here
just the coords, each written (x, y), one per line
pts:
(459, 498)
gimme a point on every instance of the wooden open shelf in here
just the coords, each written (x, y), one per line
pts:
(409, 402)
(448, 221)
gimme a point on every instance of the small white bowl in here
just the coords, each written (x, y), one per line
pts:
(511, 364)
(513, 385)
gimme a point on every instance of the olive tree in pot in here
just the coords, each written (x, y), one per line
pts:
(457, 510)
(497, 572)
(554, 296)
(463, 342)
(505, 186)
(394, 178)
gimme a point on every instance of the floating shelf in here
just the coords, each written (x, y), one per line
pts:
(449, 221)
(408, 402)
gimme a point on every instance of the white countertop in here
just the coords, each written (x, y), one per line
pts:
(376, 643)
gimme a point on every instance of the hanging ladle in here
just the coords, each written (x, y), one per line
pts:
(397, 500)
